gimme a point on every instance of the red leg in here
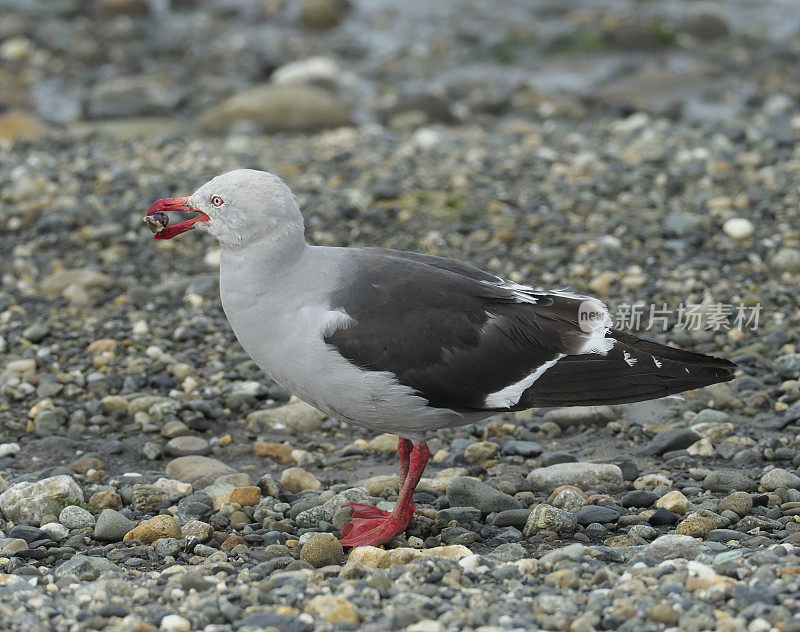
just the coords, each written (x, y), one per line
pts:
(369, 527)
(404, 448)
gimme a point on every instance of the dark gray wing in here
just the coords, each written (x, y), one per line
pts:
(454, 337)
(467, 340)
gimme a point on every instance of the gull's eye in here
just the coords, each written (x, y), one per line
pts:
(217, 201)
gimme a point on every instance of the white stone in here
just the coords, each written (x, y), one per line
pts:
(8, 449)
(738, 228)
(175, 623)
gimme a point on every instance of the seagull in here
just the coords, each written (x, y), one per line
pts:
(405, 343)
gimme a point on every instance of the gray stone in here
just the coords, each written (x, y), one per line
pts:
(112, 526)
(672, 439)
(577, 415)
(739, 503)
(464, 515)
(573, 552)
(26, 503)
(512, 518)
(786, 260)
(86, 568)
(671, 546)
(465, 491)
(130, 96)
(169, 547)
(74, 517)
(788, 366)
(526, 449)
(711, 416)
(36, 333)
(728, 481)
(586, 476)
(548, 518)
(187, 446)
(272, 109)
(192, 468)
(779, 477)
(595, 513)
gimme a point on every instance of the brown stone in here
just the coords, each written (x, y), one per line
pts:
(244, 496)
(83, 465)
(105, 500)
(147, 532)
(276, 451)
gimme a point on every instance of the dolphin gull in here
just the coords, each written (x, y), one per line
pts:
(403, 342)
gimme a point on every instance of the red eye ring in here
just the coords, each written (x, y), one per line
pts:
(217, 201)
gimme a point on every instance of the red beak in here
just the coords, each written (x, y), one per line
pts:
(181, 205)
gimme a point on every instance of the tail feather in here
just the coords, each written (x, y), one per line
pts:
(633, 370)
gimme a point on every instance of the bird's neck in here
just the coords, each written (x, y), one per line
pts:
(260, 264)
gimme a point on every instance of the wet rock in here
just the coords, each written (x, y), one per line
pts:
(28, 502)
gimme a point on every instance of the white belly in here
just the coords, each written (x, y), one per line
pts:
(291, 349)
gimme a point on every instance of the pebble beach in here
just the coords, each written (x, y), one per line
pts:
(152, 478)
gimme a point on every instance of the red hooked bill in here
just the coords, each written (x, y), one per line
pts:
(157, 220)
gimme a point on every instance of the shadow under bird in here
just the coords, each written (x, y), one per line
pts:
(403, 342)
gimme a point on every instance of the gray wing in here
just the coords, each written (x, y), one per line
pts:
(468, 340)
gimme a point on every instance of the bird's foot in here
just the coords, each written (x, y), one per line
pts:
(367, 511)
(371, 526)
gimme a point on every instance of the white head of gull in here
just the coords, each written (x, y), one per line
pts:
(404, 342)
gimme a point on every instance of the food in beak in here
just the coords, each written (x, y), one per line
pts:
(156, 222)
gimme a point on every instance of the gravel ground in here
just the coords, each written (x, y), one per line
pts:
(153, 479)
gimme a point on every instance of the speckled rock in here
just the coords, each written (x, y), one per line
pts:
(586, 476)
(26, 503)
(675, 502)
(322, 549)
(548, 518)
